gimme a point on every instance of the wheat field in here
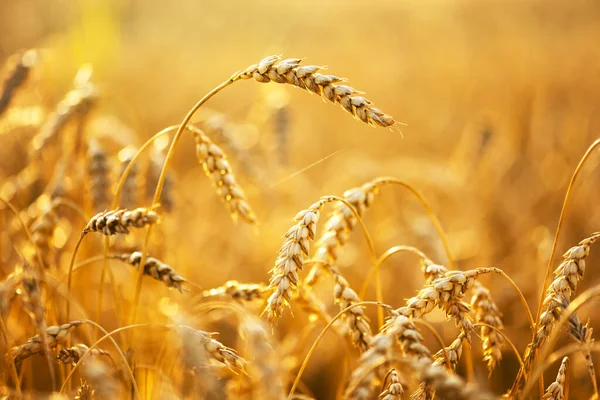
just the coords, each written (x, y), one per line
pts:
(308, 200)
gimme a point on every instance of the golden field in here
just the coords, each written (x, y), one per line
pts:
(494, 106)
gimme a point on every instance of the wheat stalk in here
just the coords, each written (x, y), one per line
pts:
(217, 168)
(120, 221)
(289, 71)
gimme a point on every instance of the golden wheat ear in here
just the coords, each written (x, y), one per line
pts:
(289, 71)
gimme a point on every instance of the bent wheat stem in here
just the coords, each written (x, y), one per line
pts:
(322, 334)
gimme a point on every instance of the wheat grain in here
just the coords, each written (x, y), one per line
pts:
(55, 335)
(120, 221)
(284, 275)
(289, 71)
(155, 269)
(556, 389)
(217, 168)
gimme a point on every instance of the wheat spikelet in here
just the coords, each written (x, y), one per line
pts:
(17, 77)
(556, 389)
(155, 268)
(447, 358)
(73, 354)
(486, 311)
(215, 349)
(401, 328)
(582, 334)
(55, 335)
(364, 379)
(447, 385)
(358, 323)
(217, 168)
(566, 276)
(284, 275)
(98, 182)
(394, 389)
(431, 270)
(338, 227)
(398, 328)
(238, 291)
(289, 71)
(446, 292)
(42, 230)
(85, 391)
(120, 221)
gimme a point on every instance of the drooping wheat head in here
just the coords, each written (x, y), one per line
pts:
(55, 335)
(155, 268)
(120, 221)
(289, 71)
(217, 168)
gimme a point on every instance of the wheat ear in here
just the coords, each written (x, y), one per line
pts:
(155, 268)
(284, 275)
(337, 229)
(238, 291)
(556, 390)
(55, 335)
(487, 312)
(120, 221)
(98, 176)
(566, 276)
(73, 354)
(85, 391)
(289, 71)
(215, 349)
(217, 168)
(394, 389)
(17, 78)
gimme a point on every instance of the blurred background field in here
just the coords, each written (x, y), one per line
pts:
(500, 99)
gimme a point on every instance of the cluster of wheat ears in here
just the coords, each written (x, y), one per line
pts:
(77, 357)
